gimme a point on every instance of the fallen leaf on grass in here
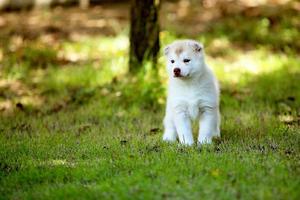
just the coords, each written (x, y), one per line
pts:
(154, 131)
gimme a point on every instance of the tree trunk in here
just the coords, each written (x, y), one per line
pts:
(144, 33)
(84, 4)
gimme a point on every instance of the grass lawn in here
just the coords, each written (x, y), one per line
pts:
(75, 125)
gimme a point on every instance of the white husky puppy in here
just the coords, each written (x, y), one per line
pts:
(193, 91)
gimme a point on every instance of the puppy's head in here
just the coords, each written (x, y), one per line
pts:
(185, 59)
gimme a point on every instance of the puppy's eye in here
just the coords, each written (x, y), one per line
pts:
(186, 60)
(172, 61)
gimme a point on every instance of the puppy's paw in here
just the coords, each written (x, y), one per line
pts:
(187, 143)
(205, 140)
(169, 137)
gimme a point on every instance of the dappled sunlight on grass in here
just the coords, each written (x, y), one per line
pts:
(89, 64)
(108, 57)
(17, 94)
(244, 64)
(95, 48)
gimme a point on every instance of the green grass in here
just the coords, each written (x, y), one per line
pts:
(75, 125)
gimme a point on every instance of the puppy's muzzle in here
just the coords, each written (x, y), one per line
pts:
(177, 72)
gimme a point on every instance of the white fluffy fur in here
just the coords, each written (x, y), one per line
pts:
(195, 95)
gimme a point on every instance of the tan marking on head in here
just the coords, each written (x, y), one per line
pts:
(178, 50)
(180, 46)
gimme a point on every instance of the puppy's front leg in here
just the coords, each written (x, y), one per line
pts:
(184, 129)
(209, 125)
(170, 134)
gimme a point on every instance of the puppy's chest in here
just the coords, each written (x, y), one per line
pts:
(190, 106)
(194, 109)
(189, 100)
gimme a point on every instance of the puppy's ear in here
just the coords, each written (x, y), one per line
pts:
(166, 50)
(197, 47)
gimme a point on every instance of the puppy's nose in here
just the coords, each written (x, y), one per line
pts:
(176, 71)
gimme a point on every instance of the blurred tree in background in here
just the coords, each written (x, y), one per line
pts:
(144, 32)
(84, 4)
